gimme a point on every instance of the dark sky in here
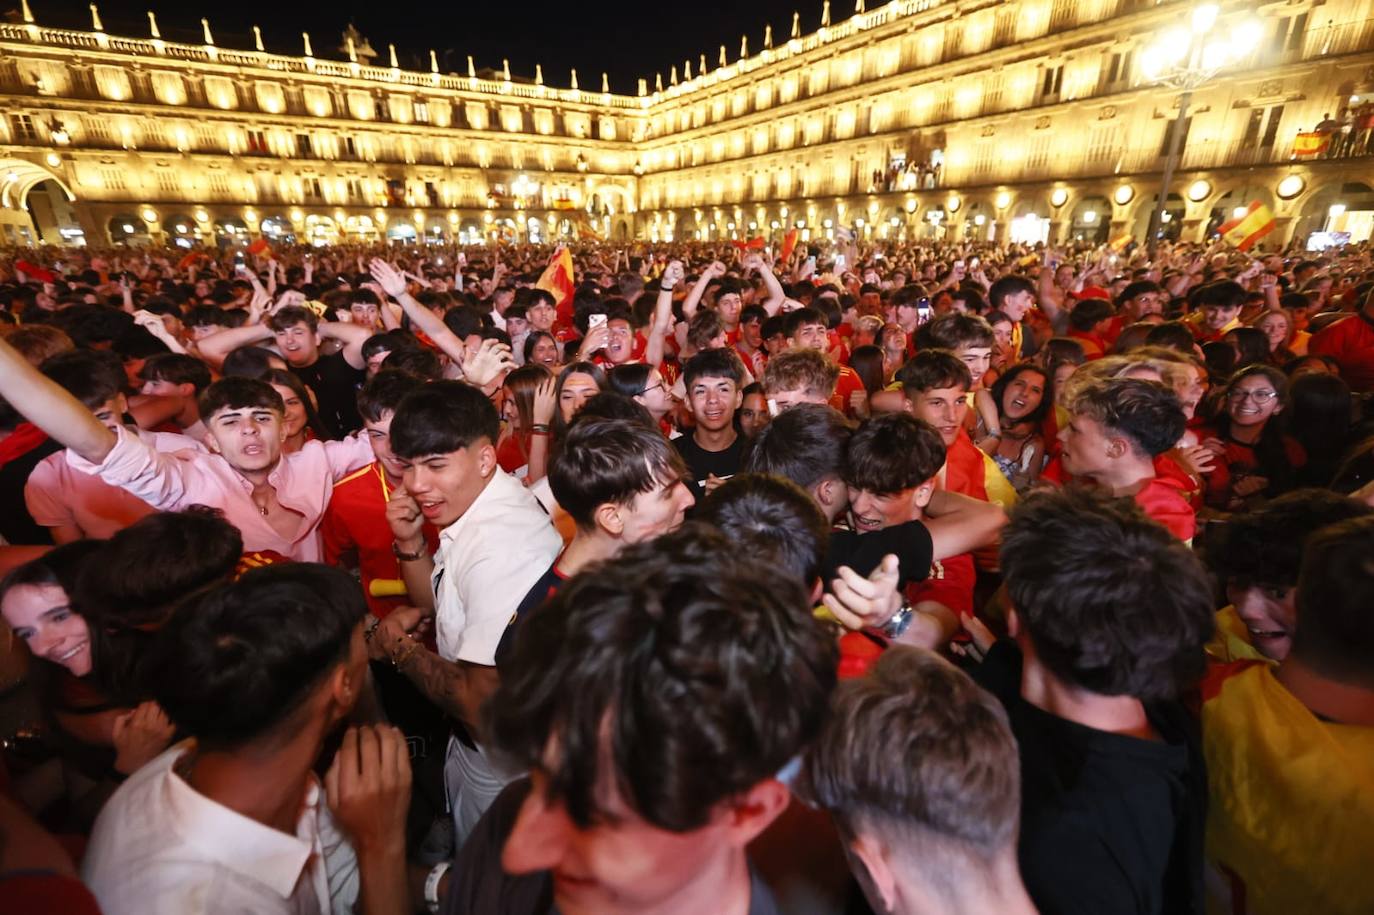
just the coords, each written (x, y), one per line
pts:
(627, 40)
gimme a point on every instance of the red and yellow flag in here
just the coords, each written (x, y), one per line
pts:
(1119, 243)
(557, 279)
(789, 244)
(1244, 232)
(754, 244)
(1311, 144)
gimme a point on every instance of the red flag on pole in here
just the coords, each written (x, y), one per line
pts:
(789, 243)
(557, 279)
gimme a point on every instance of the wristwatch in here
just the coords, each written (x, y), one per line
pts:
(898, 622)
(407, 557)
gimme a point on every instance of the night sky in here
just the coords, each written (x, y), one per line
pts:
(629, 41)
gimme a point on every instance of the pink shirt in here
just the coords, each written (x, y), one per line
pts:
(169, 482)
(59, 496)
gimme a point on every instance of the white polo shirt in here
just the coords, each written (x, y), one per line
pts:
(486, 562)
(160, 847)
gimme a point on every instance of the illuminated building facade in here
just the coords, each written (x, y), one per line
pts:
(1022, 119)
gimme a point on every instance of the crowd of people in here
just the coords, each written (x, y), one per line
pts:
(686, 578)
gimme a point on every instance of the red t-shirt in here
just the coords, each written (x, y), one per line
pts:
(356, 521)
(1350, 341)
(848, 383)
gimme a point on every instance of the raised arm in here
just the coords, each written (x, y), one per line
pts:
(393, 283)
(689, 304)
(663, 314)
(352, 337)
(214, 348)
(45, 404)
(776, 295)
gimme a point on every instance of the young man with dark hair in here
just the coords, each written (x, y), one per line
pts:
(1256, 555)
(259, 674)
(806, 329)
(1218, 305)
(750, 343)
(613, 820)
(275, 500)
(174, 374)
(1106, 637)
(71, 504)
(1136, 301)
(772, 520)
(968, 337)
(1117, 428)
(495, 541)
(1290, 748)
(935, 385)
(713, 451)
(621, 483)
(1014, 296)
(355, 530)
(933, 834)
(1089, 324)
(298, 333)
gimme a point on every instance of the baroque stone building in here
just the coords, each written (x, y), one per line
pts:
(1029, 119)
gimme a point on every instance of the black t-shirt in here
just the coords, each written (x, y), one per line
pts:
(703, 463)
(547, 586)
(1109, 823)
(16, 524)
(479, 886)
(863, 552)
(335, 384)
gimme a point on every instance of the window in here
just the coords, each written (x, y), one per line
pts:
(1252, 128)
(312, 189)
(383, 112)
(1051, 83)
(1168, 132)
(350, 148)
(352, 186)
(257, 143)
(422, 112)
(22, 127)
(1119, 69)
(303, 148)
(432, 193)
(1271, 129)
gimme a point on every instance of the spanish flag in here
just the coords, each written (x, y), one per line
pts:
(753, 244)
(1119, 243)
(789, 244)
(1311, 144)
(1257, 222)
(557, 280)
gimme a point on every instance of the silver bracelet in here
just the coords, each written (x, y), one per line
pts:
(432, 885)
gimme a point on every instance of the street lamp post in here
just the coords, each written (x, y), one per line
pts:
(1186, 58)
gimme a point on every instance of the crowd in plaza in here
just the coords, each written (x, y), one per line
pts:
(737, 577)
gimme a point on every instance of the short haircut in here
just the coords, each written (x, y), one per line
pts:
(1335, 634)
(1172, 334)
(921, 755)
(248, 362)
(1146, 412)
(910, 296)
(704, 327)
(290, 316)
(39, 342)
(751, 313)
(693, 673)
(419, 361)
(893, 452)
(1265, 545)
(384, 392)
(714, 363)
(934, 369)
(794, 321)
(608, 460)
(951, 331)
(1121, 607)
(91, 376)
(1088, 313)
(1221, 294)
(240, 663)
(177, 368)
(442, 417)
(770, 520)
(464, 321)
(239, 394)
(806, 445)
(611, 405)
(1137, 289)
(804, 370)
(1006, 287)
